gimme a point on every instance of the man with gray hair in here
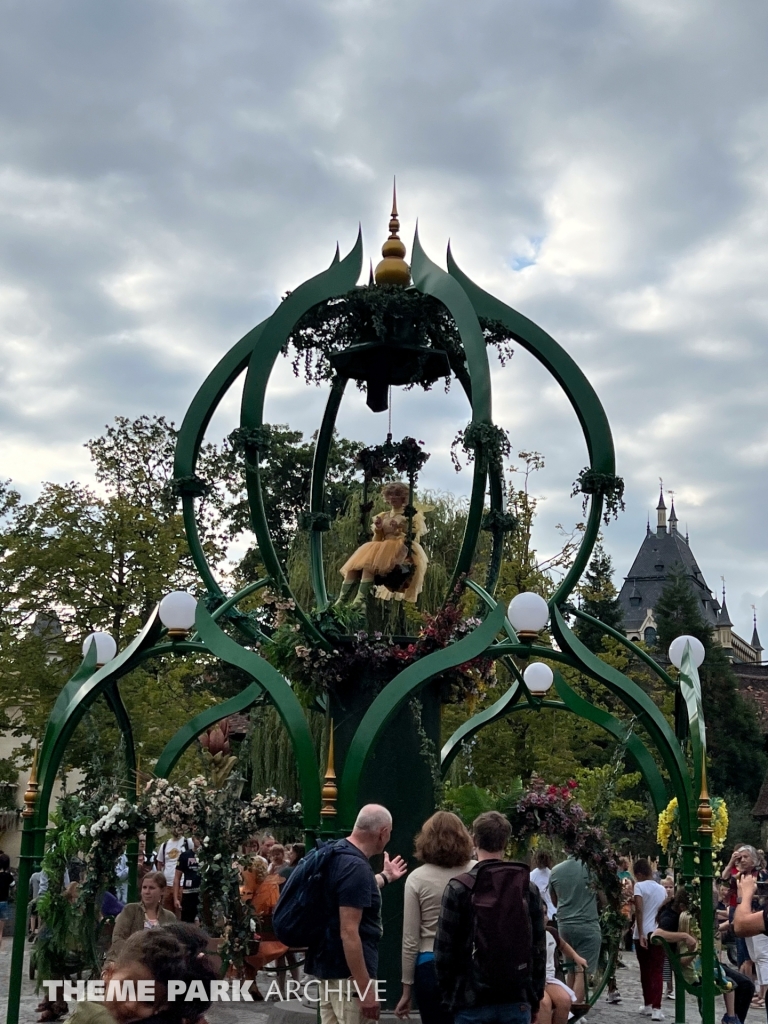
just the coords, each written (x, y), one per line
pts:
(346, 960)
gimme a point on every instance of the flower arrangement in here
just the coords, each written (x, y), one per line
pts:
(221, 821)
(372, 659)
(668, 834)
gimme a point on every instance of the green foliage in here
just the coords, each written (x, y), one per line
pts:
(59, 943)
(285, 474)
(372, 314)
(600, 599)
(470, 801)
(742, 827)
(734, 739)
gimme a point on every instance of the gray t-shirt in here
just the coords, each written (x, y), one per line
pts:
(576, 901)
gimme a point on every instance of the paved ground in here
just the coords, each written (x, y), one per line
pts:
(293, 1013)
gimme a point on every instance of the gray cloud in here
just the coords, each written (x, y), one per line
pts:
(168, 169)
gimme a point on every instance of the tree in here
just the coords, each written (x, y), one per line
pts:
(285, 473)
(600, 599)
(735, 742)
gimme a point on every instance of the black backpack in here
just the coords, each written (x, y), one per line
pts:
(502, 938)
(301, 916)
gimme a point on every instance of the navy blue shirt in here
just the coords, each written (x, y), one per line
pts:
(351, 883)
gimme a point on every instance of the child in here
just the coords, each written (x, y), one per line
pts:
(150, 956)
(556, 1004)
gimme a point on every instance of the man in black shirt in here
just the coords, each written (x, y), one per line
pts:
(186, 884)
(347, 959)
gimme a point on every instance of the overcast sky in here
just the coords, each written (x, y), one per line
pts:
(169, 168)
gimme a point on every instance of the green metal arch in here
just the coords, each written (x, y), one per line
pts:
(337, 280)
(510, 702)
(640, 704)
(284, 700)
(432, 280)
(581, 394)
(188, 733)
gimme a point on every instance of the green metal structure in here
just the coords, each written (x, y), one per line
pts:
(378, 752)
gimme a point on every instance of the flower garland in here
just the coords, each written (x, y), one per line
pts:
(223, 822)
(372, 659)
(668, 834)
(551, 810)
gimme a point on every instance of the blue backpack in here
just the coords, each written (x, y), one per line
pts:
(302, 912)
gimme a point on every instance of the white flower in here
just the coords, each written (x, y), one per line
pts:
(123, 823)
(217, 856)
(83, 830)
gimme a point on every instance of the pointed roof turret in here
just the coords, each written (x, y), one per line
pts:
(672, 518)
(723, 619)
(661, 515)
(755, 638)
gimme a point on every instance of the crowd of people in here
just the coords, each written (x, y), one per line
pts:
(484, 939)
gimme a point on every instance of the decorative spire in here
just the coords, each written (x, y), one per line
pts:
(393, 269)
(30, 797)
(755, 638)
(648, 526)
(672, 514)
(330, 789)
(661, 513)
(704, 811)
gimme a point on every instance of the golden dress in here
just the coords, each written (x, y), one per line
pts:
(388, 549)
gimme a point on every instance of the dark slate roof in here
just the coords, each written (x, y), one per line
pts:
(723, 618)
(756, 639)
(658, 553)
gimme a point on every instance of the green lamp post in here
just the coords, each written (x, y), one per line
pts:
(379, 749)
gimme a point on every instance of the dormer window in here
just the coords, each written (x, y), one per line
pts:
(659, 567)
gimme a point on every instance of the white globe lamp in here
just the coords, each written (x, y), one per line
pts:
(177, 613)
(677, 649)
(538, 677)
(528, 613)
(106, 648)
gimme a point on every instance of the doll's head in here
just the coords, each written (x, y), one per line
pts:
(396, 494)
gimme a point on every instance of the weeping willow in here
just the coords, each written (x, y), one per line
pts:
(272, 761)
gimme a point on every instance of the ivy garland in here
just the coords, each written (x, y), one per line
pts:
(370, 311)
(608, 486)
(378, 461)
(318, 522)
(428, 751)
(483, 441)
(192, 486)
(495, 520)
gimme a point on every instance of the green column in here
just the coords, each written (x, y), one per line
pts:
(26, 861)
(399, 776)
(707, 909)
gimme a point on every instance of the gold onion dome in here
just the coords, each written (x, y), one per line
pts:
(393, 269)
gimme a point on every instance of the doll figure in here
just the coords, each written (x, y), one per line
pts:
(387, 554)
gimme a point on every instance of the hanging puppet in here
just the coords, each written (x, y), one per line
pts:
(389, 562)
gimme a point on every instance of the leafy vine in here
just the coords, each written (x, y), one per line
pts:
(608, 486)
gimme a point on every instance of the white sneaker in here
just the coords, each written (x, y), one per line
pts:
(657, 1015)
(645, 1010)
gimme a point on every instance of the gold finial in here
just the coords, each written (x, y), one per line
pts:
(704, 812)
(30, 797)
(393, 269)
(330, 789)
